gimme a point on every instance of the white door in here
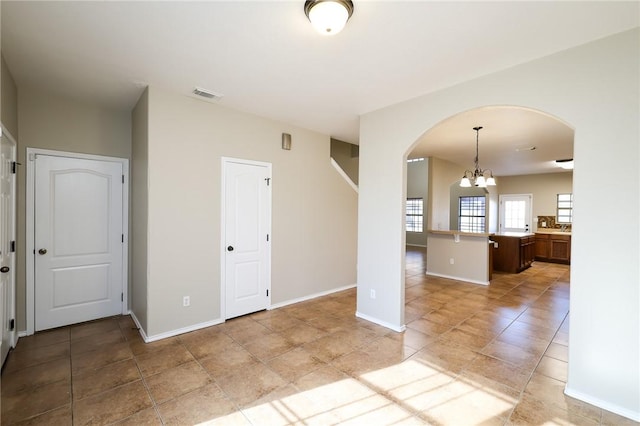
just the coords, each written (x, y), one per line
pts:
(78, 240)
(515, 213)
(246, 227)
(7, 242)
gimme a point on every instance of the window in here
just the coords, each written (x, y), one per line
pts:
(472, 214)
(414, 214)
(564, 208)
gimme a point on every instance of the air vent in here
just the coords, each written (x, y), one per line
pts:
(207, 94)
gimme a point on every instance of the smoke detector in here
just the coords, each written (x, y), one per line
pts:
(207, 94)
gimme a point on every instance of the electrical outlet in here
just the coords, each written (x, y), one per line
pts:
(373, 294)
(186, 301)
(451, 261)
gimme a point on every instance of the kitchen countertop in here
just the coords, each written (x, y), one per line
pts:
(467, 234)
(515, 234)
(553, 231)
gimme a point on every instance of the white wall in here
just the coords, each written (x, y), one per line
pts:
(314, 209)
(595, 89)
(418, 187)
(50, 121)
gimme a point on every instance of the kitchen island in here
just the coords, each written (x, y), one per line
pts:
(513, 251)
(462, 256)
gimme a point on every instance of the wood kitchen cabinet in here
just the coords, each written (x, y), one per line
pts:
(514, 253)
(553, 247)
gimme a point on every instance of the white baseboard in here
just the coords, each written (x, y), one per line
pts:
(605, 405)
(467, 280)
(149, 339)
(382, 323)
(311, 296)
(416, 245)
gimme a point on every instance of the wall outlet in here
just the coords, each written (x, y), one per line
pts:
(372, 294)
(451, 261)
(186, 301)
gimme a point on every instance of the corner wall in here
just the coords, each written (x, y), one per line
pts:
(313, 218)
(595, 89)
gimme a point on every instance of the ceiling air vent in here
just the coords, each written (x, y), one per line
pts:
(207, 94)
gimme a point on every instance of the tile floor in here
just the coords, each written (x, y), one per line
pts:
(471, 355)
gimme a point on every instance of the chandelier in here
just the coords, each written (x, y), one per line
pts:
(328, 17)
(477, 177)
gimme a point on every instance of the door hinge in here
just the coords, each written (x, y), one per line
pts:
(267, 292)
(12, 324)
(268, 180)
(14, 167)
(122, 178)
(13, 246)
(122, 239)
(122, 297)
(267, 237)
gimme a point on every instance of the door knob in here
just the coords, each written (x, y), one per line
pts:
(4, 269)
(230, 248)
(42, 251)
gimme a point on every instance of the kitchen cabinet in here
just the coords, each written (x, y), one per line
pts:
(515, 252)
(553, 247)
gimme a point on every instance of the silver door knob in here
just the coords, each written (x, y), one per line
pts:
(42, 251)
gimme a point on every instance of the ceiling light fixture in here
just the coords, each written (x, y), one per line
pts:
(565, 164)
(477, 176)
(328, 17)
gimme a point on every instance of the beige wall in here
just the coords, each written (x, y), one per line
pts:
(594, 88)
(139, 209)
(442, 174)
(9, 100)
(418, 187)
(313, 218)
(53, 122)
(544, 187)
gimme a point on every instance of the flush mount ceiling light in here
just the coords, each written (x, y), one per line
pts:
(477, 176)
(565, 164)
(328, 17)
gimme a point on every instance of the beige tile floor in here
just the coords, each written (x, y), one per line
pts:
(471, 355)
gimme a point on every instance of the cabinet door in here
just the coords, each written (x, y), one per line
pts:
(542, 247)
(559, 250)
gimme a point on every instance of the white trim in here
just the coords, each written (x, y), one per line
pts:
(416, 245)
(176, 332)
(309, 297)
(13, 337)
(223, 281)
(382, 323)
(344, 175)
(451, 277)
(605, 405)
(30, 234)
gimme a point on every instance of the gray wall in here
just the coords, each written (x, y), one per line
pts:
(343, 154)
(9, 100)
(418, 187)
(139, 208)
(51, 121)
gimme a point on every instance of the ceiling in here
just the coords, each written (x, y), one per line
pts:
(266, 59)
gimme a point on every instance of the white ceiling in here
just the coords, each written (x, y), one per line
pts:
(266, 59)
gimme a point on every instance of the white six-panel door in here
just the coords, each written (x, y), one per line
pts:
(246, 224)
(78, 237)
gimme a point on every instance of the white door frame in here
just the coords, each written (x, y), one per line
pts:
(223, 246)
(30, 215)
(4, 132)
